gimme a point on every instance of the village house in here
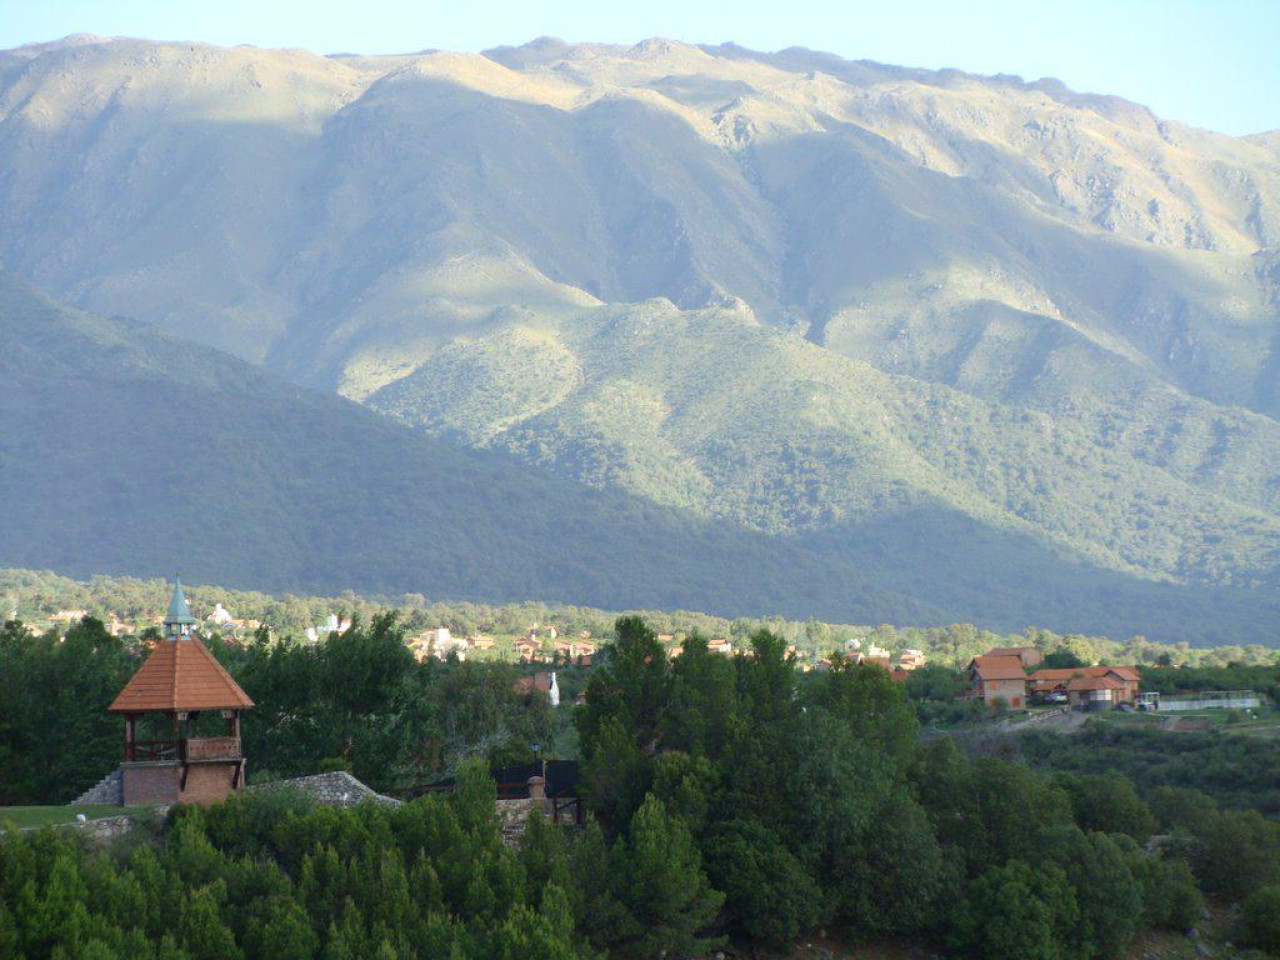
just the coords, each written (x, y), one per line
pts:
(1089, 688)
(575, 651)
(528, 649)
(994, 679)
(481, 642)
(1031, 657)
(911, 659)
(438, 643)
(541, 683)
(220, 616)
(331, 625)
(721, 645)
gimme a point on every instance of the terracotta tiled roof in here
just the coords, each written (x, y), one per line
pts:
(539, 681)
(180, 675)
(1095, 683)
(1067, 673)
(998, 668)
(1010, 651)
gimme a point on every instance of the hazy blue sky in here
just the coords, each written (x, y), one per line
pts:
(1214, 63)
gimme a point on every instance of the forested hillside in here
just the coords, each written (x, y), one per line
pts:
(125, 450)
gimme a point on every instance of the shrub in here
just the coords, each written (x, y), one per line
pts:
(1261, 920)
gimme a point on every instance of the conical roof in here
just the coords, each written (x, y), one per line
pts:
(179, 612)
(180, 675)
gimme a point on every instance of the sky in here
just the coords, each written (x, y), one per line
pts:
(1211, 63)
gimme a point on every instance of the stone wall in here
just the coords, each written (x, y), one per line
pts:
(107, 792)
(513, 817)
(337, 789)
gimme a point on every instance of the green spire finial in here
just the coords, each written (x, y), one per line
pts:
(179, 614)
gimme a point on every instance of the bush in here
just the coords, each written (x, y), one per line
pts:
(1015, 911)
(1261, 920)
(1170, 898)
(1238, 852)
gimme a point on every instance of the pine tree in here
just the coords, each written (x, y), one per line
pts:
(204, 934)
(659, 879)
(8, 934)
(544, 856)
(287, 933)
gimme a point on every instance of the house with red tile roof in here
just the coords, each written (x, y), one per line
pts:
(1031, 657)
(993, 679)
(1121, 686)
(529, 650)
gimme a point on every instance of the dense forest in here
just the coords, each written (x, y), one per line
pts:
(733, 801)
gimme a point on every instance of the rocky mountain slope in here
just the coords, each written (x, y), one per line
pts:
(924, 321)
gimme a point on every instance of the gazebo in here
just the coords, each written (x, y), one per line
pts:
(179, 693)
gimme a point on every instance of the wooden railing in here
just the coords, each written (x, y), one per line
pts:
(154, 750)
(213, 748)
(194, 748)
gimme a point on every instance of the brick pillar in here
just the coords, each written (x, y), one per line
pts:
(537, 788)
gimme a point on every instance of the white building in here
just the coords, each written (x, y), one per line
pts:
(220, 615)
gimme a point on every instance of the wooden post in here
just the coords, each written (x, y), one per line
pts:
(130, 737)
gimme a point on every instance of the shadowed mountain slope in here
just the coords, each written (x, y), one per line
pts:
(125, 450)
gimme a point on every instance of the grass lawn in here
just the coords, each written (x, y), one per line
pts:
(49, 816)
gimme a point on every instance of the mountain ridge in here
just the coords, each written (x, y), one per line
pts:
(806, 295)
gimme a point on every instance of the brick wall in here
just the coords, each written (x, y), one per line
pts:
(150, 783)
(161, 783)
(208, 782)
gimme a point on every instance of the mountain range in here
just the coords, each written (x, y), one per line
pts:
(983, 348)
